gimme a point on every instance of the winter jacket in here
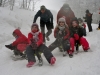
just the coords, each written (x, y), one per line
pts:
(46, 16)
(65, 33)
(22, 39)
(68, 16)
(88, 17)
(38, 37)
(76, 30)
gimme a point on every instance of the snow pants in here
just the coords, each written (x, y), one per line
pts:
(42, 48)
(82, 41)
(56, 43)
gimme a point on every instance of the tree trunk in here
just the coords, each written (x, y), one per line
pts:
(0, 3)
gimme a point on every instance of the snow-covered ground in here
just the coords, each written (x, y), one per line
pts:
(84, 63)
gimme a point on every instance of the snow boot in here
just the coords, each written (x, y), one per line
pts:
(30, 64)
(40, 62)
(52, 61)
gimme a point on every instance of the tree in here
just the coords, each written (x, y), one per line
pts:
(0, 2)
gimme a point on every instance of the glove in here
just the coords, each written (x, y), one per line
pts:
(60, 32)
(76, 36)
(9, 47)
(33, 44)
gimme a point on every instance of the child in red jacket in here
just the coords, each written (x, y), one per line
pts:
(19, 45)
(35, 39)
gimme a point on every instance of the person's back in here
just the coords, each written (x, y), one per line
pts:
(66, 12)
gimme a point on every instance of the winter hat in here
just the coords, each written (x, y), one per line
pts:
(42, 7)
(35, 24)
(62, 20)
(65, 6)
(79, 19)
(75, 19)
(87, 11)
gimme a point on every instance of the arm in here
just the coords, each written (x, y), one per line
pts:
(55, 32)
(67, 34)
(80, 33)
(30, 36)
(51, 16)
(36, 16)
(40, 41)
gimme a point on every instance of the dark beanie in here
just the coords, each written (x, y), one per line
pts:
(42, 7)
(75, 19)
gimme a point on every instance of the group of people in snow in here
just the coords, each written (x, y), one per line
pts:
(68, 34)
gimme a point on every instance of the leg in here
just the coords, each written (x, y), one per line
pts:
(72, 44)
(84, 43)
(49, 28)
(47, 53)
(89, 26)
(66, 47)
(42, 26)
(17, 52)
(48, 34)
(53, 45)
(30, 54)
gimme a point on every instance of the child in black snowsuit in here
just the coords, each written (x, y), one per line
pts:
(36, 45)
(61, 33)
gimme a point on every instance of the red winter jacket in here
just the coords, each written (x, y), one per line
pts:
(40, 38)
(22, 39)
(68, 16)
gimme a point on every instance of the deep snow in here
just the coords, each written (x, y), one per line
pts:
(84, 63)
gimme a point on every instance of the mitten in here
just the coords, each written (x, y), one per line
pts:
(76, 36)
(9, 47)
(33, 44)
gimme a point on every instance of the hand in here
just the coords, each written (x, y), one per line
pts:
(60, 32)
(9, 47)
(76, 36)
(33, 44)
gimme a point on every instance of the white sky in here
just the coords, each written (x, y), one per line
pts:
(51, 4)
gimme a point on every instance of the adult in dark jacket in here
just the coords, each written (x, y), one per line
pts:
(88, 18)
(76, 36)
(19, 45)
(66, 12)
(35, 39)
(46, 18)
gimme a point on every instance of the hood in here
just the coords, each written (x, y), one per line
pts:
(17, 32)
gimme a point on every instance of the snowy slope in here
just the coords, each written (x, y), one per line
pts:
(84, 63)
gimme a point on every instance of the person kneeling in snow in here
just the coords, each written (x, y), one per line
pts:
(19, 45)
(76, 33)
(61, 33)
(36, 36)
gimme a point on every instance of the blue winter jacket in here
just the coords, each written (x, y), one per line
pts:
(46, 16)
